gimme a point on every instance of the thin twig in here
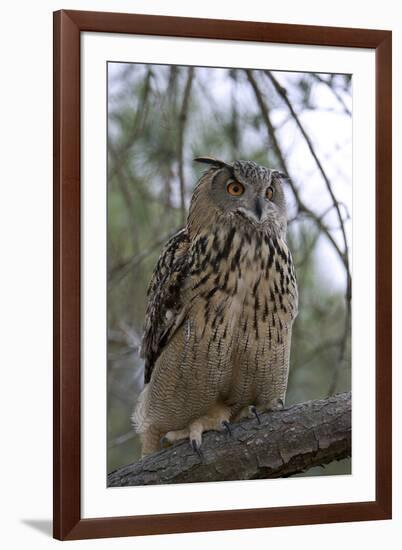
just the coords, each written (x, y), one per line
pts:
(118, 273)
(182, 124)
(309, 250)
(337, 96)
(121, 439)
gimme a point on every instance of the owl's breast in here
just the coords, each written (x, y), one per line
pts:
(245, 289)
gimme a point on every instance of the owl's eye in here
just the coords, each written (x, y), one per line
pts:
(235, 188)
(269, 193)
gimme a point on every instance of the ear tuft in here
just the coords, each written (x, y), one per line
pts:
(213, 161)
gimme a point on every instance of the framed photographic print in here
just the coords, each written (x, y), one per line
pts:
(222, 232)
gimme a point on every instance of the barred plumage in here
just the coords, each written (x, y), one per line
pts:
(222, 301)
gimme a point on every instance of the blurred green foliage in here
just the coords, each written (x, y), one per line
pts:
(154, 131)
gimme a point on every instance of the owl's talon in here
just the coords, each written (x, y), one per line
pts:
(255, 413)
(226, 425)
(197, 448)
(277, 405)
(164, 442)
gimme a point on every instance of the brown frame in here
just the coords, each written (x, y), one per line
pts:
(67, 481)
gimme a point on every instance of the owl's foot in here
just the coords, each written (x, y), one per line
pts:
(251, 411)
(274, 405)
(217, 418)
(171, 437)
(248, 412)
(177, 435)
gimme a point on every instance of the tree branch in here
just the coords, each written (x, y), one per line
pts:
(182, 124)
(285, 443)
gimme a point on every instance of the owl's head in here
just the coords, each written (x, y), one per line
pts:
(246, 192)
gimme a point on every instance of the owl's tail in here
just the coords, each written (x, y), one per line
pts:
(140, 416)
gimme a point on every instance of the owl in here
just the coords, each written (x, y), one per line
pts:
(221, 304)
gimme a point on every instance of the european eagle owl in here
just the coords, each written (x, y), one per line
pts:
(222, 301)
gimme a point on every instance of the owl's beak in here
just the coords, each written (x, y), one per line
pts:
(256, 210)
(259, 207)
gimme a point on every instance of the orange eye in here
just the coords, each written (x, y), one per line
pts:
(235, 188)
(270, 193)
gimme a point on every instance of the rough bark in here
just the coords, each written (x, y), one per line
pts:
(285, 443)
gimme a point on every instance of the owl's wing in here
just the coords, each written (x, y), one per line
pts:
(165, 310)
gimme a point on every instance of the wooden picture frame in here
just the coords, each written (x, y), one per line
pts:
(68, 25)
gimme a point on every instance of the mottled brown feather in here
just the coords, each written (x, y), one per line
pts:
(164, 299)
